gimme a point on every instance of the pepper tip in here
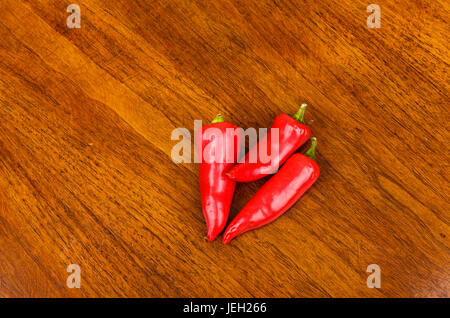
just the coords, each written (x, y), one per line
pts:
(210, 237)
(227, 237)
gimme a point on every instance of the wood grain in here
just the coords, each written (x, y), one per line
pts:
(86, 175)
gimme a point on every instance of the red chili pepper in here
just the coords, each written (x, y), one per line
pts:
(277, 195)
(292, 134)
(216, 189)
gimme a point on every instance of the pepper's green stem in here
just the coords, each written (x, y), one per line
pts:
(218, 119)
(300, 114)
(311, 152)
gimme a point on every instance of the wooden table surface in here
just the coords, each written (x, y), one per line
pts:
(86, 175)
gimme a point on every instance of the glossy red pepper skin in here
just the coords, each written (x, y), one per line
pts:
(292, 134)
(216, 189)
(276, 196)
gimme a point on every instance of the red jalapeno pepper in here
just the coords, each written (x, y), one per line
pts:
(292, 133)
(216, 189)
(277, 195)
